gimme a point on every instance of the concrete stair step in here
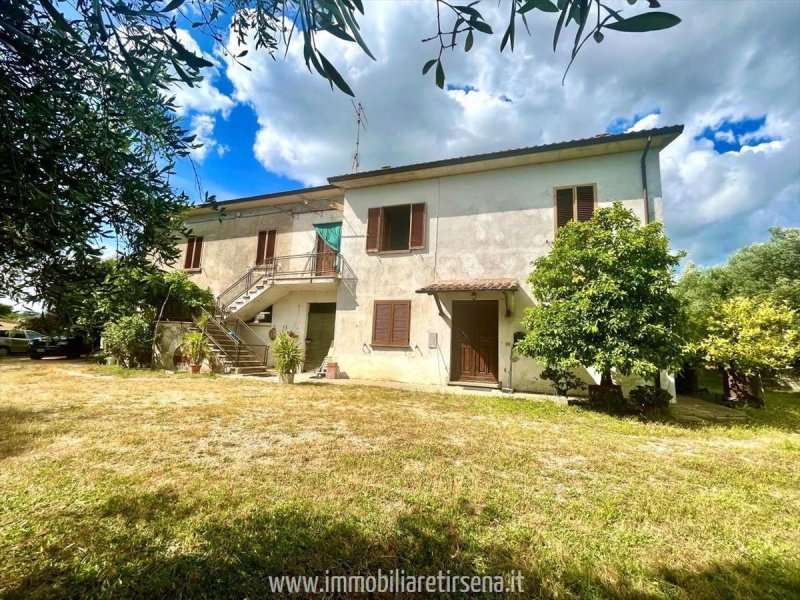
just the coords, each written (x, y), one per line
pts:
(254, 370)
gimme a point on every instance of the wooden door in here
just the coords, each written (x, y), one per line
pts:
(325, 259)
(474, 344)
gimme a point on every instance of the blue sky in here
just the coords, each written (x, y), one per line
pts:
(734, 173)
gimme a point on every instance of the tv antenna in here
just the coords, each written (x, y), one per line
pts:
(361, 123)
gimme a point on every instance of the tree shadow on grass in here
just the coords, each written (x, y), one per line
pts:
(19, 429)
(141, 547)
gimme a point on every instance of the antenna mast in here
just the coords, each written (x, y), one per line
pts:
(361, 123)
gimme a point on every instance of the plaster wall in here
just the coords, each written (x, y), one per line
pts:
(229, 245)
(482, 225)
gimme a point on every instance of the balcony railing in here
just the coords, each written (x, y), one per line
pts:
(296, 266)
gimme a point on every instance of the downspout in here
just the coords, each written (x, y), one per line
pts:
(645, 194)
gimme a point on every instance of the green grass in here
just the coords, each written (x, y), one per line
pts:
(783, 405)
(161, 486)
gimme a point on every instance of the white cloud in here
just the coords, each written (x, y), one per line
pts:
(648, 122)
(202, 126)
(697, 74)
(204, 97)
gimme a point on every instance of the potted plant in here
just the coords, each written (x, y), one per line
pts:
(196, 350)
(288, 357)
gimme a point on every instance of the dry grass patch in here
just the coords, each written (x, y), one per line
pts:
(144, 484)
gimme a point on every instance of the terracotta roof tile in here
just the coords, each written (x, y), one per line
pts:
(469, 285)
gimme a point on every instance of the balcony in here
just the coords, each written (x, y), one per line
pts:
(263, 284)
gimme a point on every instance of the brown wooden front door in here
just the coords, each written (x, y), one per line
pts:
(325, 259)
(474, 345)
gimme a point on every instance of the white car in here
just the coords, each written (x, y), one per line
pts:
(15, 341)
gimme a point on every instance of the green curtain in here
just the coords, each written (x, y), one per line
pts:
(331, 234)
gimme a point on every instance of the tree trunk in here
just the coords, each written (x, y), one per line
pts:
(741, 388)
(605, 378)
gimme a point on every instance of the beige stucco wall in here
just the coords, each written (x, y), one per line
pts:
(290, 313)
(229, 246)
(481, 225)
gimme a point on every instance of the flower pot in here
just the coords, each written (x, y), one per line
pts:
(194, 369)
(286, 378)
(332, 371)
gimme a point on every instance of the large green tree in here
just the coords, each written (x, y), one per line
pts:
(762, 274)
(88, 132)
(747, 337)
(603, 298)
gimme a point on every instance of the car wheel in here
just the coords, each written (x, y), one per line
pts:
(3, 352)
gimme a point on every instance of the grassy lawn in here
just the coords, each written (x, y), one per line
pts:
(146, 485)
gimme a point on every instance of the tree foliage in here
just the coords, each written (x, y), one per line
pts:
(765, 271)
(129, 340)
(146, 289)
(592, 19)
(88, 131)
(603, 297)
(751, 336)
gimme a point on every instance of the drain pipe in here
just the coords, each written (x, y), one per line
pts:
(644, 181)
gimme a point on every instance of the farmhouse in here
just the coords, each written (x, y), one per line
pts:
(415, 273)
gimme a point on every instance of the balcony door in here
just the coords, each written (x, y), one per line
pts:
(325, 259)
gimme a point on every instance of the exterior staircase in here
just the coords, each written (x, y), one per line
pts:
(263, 284)
(229, 349)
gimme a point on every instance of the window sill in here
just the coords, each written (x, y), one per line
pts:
(391, 252)
(197, 270)
(381, 345)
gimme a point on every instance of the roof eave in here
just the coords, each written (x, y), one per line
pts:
(322, 192)
(611, 144)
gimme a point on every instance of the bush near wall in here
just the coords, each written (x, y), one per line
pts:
(128, 340)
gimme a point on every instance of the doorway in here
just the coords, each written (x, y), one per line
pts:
(474, 341)
(325, 259)
(319, 333)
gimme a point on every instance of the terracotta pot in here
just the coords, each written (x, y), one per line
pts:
(286, 378)
(332, 372)
(194, 369)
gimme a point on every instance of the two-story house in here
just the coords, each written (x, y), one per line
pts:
(417, 273)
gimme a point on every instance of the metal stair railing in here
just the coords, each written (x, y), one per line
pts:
(238, 343)
(277, 267)
(240, 326)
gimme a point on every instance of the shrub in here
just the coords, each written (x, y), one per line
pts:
(563, 380)
(649, 398)
(288, 354)
(129, 340)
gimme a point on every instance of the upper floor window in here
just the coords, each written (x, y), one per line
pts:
(575, 203)
(194, 249)
(265, 249)
(396, 228)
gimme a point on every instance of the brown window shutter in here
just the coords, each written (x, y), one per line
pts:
(401, 323)
(262, 244)
(187, 263)
(584, 202)
(563, 206)
(271, 235)
(198, 249)
(417, 240)
(373, 229)
(382, 324)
